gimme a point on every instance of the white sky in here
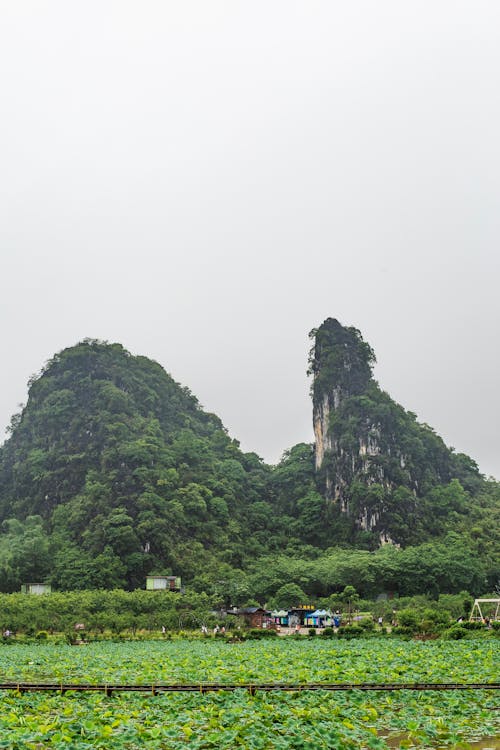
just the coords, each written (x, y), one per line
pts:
(205, 182)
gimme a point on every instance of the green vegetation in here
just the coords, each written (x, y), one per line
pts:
(225, 720)
(391, 476)
(143, 614)
(113, 471)
(103, 611)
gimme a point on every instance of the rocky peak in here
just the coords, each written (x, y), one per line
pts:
(341, 365)
(369, 451)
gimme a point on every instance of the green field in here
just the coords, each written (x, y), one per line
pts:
(266, 720)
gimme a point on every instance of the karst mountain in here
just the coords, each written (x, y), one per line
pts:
(112, 471)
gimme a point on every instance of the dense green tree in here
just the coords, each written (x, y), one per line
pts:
(288, 595)
(24, 553)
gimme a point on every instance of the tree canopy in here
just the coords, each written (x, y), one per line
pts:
(113, 471)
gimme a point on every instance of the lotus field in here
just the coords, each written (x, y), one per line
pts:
(316, 720)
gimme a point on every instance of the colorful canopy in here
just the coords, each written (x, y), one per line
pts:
(279, 613)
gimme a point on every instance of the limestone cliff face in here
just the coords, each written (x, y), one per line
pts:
(340, 363)
(372, 457)
(321, 419)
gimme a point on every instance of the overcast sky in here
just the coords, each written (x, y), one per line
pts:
(205, 182)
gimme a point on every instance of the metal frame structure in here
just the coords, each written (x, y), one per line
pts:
(481, 617)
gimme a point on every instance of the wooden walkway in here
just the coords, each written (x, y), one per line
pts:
(252, 688)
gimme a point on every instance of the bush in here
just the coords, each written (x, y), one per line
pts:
(367, 624)
(258, 633)
(428, 627)
(328, 633)
(408, 619)
(311, 632)
(455, 633)
(350, 631)
(42, 635)
(436, 616)
(402, 631)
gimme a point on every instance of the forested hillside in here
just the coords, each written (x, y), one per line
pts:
(113, 471)
(119, 472)
(394, 477)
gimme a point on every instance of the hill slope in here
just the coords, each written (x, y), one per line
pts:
(124, 469)
(113, 470)
(391, 474)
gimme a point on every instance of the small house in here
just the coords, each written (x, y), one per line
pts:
(163, 583)
(36, 588)
(255, 617)
(297, 615)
